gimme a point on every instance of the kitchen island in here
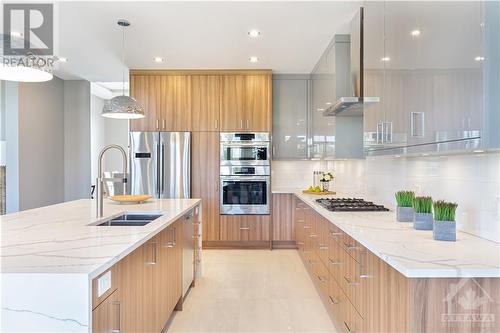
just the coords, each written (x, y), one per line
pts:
(58, 267)
(378, 275)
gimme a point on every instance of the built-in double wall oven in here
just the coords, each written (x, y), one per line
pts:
(244, 173)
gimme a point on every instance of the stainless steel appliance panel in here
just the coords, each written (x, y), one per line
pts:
(244, 195)
(245, 170)
(244, 153)
(244, 137)
(175, 164)
(187, 252)
(144, 163)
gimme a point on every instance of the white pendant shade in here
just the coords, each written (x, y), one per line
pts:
(122, 107)
(24, 74)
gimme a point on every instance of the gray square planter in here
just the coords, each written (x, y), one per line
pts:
(405, 214)
(423, 221)
(445, 231)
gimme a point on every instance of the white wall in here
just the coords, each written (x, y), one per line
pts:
(76, 140)
(41, 143)
(105, 131)
(473, 181)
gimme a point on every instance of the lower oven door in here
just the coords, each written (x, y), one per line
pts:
(244, 195)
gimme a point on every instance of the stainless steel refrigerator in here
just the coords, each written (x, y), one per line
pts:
(160, 164)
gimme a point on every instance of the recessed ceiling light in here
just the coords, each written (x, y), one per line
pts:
(254, 33)
(479, 58)
(385, 59)
(254, 59)
(158, 59)
(415, 33)
(62, 59)
(16, 34)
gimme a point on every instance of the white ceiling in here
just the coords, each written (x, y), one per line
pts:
(196, 35)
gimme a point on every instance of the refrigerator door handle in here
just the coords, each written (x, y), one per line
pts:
(162, 159)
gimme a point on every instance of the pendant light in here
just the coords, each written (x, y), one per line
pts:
(123, 107)
(24, 68)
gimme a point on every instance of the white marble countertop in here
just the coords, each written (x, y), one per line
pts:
(412, 252)
(58, 239)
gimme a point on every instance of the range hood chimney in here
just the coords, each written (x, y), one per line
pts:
(354, 105)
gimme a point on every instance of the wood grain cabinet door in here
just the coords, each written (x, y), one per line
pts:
(232, 110)
(137, 276)
(205, 102)
(205, 180)
(257, 115)
(176, 103)
(107, 316)
(144, 88)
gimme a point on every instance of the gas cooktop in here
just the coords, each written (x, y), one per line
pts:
(350, 205)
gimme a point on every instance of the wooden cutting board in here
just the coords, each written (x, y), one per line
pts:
(130, 199)
(319, 193)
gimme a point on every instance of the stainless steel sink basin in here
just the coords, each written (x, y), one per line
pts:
(130, 219)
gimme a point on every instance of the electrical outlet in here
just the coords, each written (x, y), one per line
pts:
(103, 283)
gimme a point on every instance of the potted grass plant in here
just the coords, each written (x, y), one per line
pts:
(445, 228)
(423, 213)
(405, 211)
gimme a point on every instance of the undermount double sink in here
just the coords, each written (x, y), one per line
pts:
(129, 219)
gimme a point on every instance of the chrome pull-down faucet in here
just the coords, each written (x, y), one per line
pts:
(100, 178)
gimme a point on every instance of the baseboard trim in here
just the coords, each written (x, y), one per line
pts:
(284, 245)
(235, 244)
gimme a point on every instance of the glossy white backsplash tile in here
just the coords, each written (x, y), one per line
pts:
(473, 181)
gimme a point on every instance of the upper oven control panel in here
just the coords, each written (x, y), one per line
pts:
(244, 137)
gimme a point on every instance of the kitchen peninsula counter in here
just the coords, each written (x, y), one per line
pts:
(51, 254)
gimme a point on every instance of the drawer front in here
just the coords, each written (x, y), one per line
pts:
(323, 239)
(335, 263)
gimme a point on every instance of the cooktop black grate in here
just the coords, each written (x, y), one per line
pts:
(350, 205)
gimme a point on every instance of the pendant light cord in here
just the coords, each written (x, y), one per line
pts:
(123, 60)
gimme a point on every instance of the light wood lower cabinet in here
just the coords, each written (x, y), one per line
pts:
(244, 228)
(365, 294)
(146, 287)
(283, 226)
(106, 316)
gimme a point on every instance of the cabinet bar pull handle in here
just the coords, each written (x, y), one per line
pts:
(333, 300)
(312, 235)
(119, 317)
(321, 279)
(300, 221)
(348, 328)
(307, 227)
(241, 123)
(350, 282)
(333, 262)
(244, 228)
(153, 254)
(323, 248)
(216, 124)
(163, 123)
(248, 124)
(300, 243)
(157, 123)
(333, 233)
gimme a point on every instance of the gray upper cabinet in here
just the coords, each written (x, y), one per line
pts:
(425, 60)
(290, 116)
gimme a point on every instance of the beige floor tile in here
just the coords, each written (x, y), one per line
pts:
(252, 291)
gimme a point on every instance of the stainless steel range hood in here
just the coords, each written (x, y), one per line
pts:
(354, 105)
